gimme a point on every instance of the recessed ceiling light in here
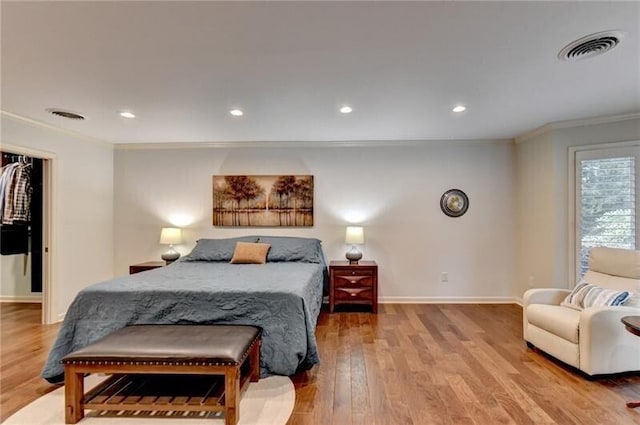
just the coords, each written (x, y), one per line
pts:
(346, 109)
(459, 108)
(236, 112)
(127, 114)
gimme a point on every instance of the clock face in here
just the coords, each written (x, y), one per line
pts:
(454, 203)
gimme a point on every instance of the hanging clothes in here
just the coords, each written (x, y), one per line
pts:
(22, 194)
(15, 207)
(6, 180)
(17, 193)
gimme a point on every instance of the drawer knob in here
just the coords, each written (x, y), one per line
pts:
(353, 272)
(353, 281)
(353, 294)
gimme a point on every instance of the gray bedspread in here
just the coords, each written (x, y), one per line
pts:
(284, 299)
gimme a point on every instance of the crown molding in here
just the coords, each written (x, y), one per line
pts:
(595, 121)
(558, 125)
(40, 124)
(258, 144)
(531, 134)
(330, 143)
(310, 144)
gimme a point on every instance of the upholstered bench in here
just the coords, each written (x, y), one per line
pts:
(153, 368)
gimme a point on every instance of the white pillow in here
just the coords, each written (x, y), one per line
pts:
(586, 295)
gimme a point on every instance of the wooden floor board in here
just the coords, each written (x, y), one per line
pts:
(408, 365)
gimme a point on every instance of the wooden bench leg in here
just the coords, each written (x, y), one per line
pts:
(232, 395)
(73, 393)
(254, 358)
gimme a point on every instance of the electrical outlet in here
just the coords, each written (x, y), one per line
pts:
(444, 277)
(532, 281)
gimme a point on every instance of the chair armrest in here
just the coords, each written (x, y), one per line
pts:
(593, 316)
(605, 345)
(552, 296)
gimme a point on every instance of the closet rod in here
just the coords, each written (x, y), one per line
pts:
(8, 158)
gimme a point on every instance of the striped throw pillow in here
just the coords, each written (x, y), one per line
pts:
(586, 295)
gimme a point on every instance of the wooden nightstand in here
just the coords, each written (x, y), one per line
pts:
(149, 265)
(353, 284)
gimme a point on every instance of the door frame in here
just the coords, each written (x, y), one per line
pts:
(572, 210)
(49, 164)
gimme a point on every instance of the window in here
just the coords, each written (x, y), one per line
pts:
(607, 206)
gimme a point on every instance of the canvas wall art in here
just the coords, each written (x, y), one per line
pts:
(263, 201)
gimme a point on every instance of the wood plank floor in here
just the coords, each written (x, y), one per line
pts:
(24, 345)
(410, 364)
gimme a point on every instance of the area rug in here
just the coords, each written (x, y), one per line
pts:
(267, 402)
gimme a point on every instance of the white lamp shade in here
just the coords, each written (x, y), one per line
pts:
(171, 236)
(354, 235)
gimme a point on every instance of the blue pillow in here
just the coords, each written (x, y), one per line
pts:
(290, 248)
(216, 249)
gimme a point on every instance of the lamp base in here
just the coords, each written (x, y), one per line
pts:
(353, 255)
(171, 255)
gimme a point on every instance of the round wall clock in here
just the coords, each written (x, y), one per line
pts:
(454, 203)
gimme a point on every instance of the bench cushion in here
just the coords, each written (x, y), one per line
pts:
(211, 344)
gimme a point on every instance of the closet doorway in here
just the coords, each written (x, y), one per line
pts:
(26, 196)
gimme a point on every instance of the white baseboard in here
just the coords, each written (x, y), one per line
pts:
(61, 316)
(449, 300)
(21, 299)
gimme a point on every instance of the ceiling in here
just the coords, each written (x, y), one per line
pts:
(181, 66)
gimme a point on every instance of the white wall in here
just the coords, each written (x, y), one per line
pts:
(393, 191)
(535, 195)
(83, 206)
(516, 227)
(543, 182)
(16, 280)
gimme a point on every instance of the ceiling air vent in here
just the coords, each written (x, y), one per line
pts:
(65, 114)
(591, 45)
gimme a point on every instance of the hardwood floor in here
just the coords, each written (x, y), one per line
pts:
(24, 345)
(410, 364)
(448, 364)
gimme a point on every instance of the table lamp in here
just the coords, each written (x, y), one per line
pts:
(354, 236)
(171, 236)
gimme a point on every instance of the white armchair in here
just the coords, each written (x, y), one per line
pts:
(593, 339)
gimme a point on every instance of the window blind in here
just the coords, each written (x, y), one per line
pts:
(607, 204)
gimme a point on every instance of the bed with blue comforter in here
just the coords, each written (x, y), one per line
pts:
(283, 297)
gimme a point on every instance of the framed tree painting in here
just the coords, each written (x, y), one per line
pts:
(263, 201)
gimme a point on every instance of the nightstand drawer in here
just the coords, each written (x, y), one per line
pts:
(353, 280)
(365, 272)
(351, 294)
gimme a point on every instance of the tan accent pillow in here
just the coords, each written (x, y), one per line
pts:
(250, 253)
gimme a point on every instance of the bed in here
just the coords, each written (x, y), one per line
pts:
(282, 296)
